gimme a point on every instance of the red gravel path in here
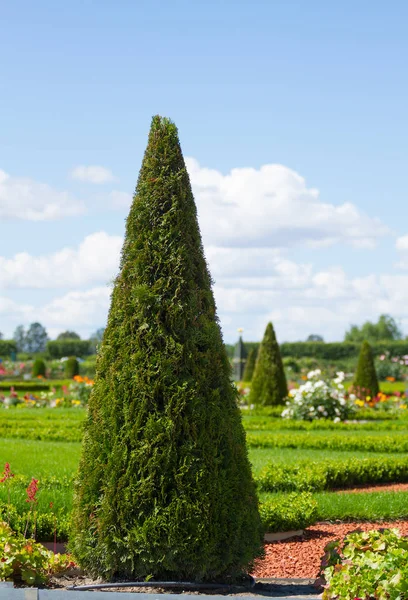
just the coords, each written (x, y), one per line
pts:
(300, 556)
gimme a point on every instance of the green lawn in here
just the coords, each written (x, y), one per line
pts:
(33, 448)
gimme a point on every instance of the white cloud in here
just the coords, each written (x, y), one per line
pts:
(401, 244)
(120, 200)
(23, 198)
(273, 207)
(79, 310)
(92, 174)
(95, 260)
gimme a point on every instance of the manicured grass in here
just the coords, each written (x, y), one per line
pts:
(39, 458)
(52, 463)
(374, 506)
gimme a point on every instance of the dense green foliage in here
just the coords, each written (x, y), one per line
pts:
(365, 380)
(68, 347)
(7, 347)
(269, 385)
(71, 367)
(164, 486)
(312, 476)
(39, 368)
(250, 365)
(385, 329)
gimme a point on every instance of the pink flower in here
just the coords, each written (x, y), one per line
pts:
(32, 490)
(7, 474)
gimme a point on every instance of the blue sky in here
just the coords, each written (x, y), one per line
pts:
(316, 90)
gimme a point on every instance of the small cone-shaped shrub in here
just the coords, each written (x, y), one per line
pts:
(250, 365)
(164, 485)
(38, 368)
(71, 367)
(365, 380)
(269, 385)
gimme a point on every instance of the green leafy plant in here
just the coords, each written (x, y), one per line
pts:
(269, 385)
(164, 486)
(23, 560)
(365, 565)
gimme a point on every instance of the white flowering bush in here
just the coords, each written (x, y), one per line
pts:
(319, 399)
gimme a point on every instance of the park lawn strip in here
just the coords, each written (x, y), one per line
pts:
(333, 441)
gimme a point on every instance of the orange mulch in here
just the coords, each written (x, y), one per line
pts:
(300, 557)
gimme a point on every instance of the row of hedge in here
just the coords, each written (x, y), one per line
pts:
(282, 513)
(330, 350)
(33, 386)
(262, 424)
(332, 441)
(331, 474)
(55, 348)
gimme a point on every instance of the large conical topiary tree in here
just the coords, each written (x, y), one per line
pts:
(164, 485)
(365, 380)
(269, 385)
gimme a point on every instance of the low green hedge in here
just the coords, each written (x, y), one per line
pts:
(288, 512)
(33, 386)
(262, 424)
(333, 441)
(332, 474)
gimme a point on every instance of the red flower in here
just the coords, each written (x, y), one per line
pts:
(32, 490)
(7, 474)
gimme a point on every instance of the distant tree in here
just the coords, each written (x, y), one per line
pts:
(96, 338)
(20, 338)
(269, 386)
(365, 380)
(36, 338)
(1, 336)
(68, 335)
(385, 329)
(314, 337)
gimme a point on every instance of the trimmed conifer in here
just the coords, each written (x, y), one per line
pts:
(269, 386)
(71, 368)
(365, 380)
(250, 365)
(39, 368)
(164, 485)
